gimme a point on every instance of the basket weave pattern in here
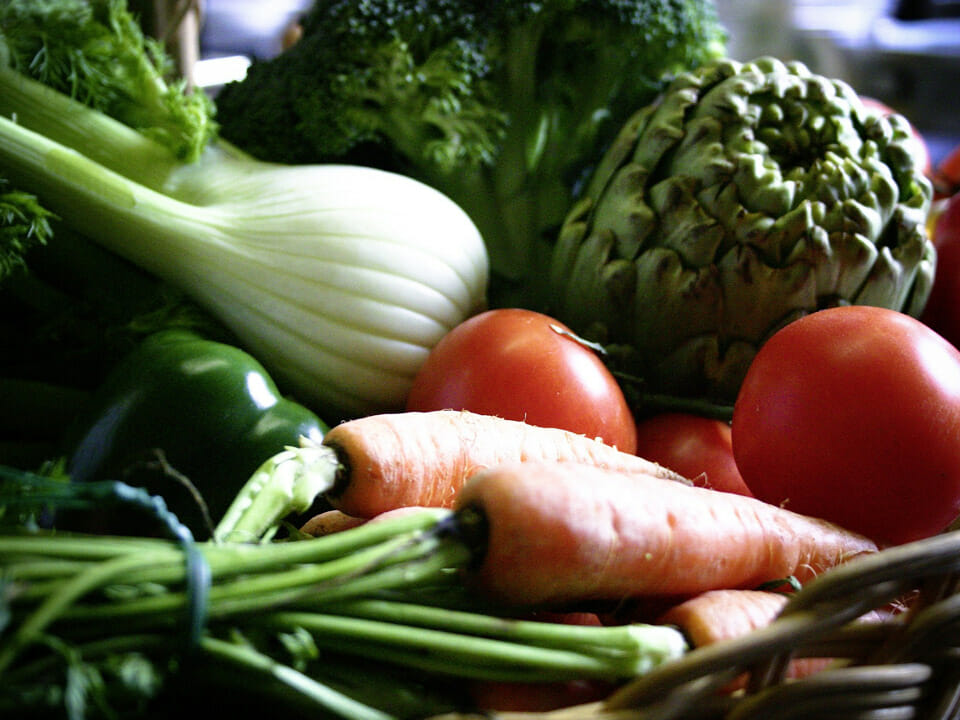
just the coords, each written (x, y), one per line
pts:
(907, 666)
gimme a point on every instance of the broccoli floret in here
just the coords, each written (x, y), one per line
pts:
(501, 105)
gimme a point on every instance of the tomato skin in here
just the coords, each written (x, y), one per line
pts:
(514, 363)
(942, 312)
(699, 448)
(852, 414)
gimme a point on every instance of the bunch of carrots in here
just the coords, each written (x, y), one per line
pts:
(563, 523)
(519, 557)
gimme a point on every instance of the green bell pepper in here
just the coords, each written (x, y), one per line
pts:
(210, 408)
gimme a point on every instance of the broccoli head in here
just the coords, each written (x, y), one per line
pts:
(503, 106)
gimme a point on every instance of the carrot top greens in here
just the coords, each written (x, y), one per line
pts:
(386, 594)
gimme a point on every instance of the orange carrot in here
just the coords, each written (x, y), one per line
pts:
(329, 522)
(720, 615)
(557, 533)
(332, 521)
(423, 458)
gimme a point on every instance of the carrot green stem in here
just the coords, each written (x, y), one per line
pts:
(400, 553)
(225, 560)
(288, 482)
(279, 587)
(615, 640)
(249, 659)
(486, 648)
(56, 604)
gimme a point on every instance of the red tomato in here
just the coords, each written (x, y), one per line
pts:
(852, 414)
(523, 365)
(942, 312)
(697, 447)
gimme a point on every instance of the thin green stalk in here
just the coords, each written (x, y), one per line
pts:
(429, 569)
(450, 652)
(247, 659)
(55, 605)
(601, 641)
(309, 581)
(281, 587)
(78, 547)
(36, 569)
(227, 559)
(250, 558)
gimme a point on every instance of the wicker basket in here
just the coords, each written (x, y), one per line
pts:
(905, 667)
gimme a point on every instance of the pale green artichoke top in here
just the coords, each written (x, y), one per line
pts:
(749, 195)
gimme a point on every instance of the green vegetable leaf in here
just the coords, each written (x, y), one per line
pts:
(501, 106)
(24, 223)
(96, 52)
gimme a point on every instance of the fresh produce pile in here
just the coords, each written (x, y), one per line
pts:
(291, 422)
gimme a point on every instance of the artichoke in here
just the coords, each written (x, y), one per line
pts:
(747, 196)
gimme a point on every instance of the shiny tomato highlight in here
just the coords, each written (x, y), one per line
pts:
(523, 365)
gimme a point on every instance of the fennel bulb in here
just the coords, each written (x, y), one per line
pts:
(339, 278)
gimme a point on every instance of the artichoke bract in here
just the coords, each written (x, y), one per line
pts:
(748, 195)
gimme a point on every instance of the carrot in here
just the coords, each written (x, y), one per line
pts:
(332, 521)
(555, 534)
(371, 465)
(423, 458)
(329, 522)
(719, 615)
